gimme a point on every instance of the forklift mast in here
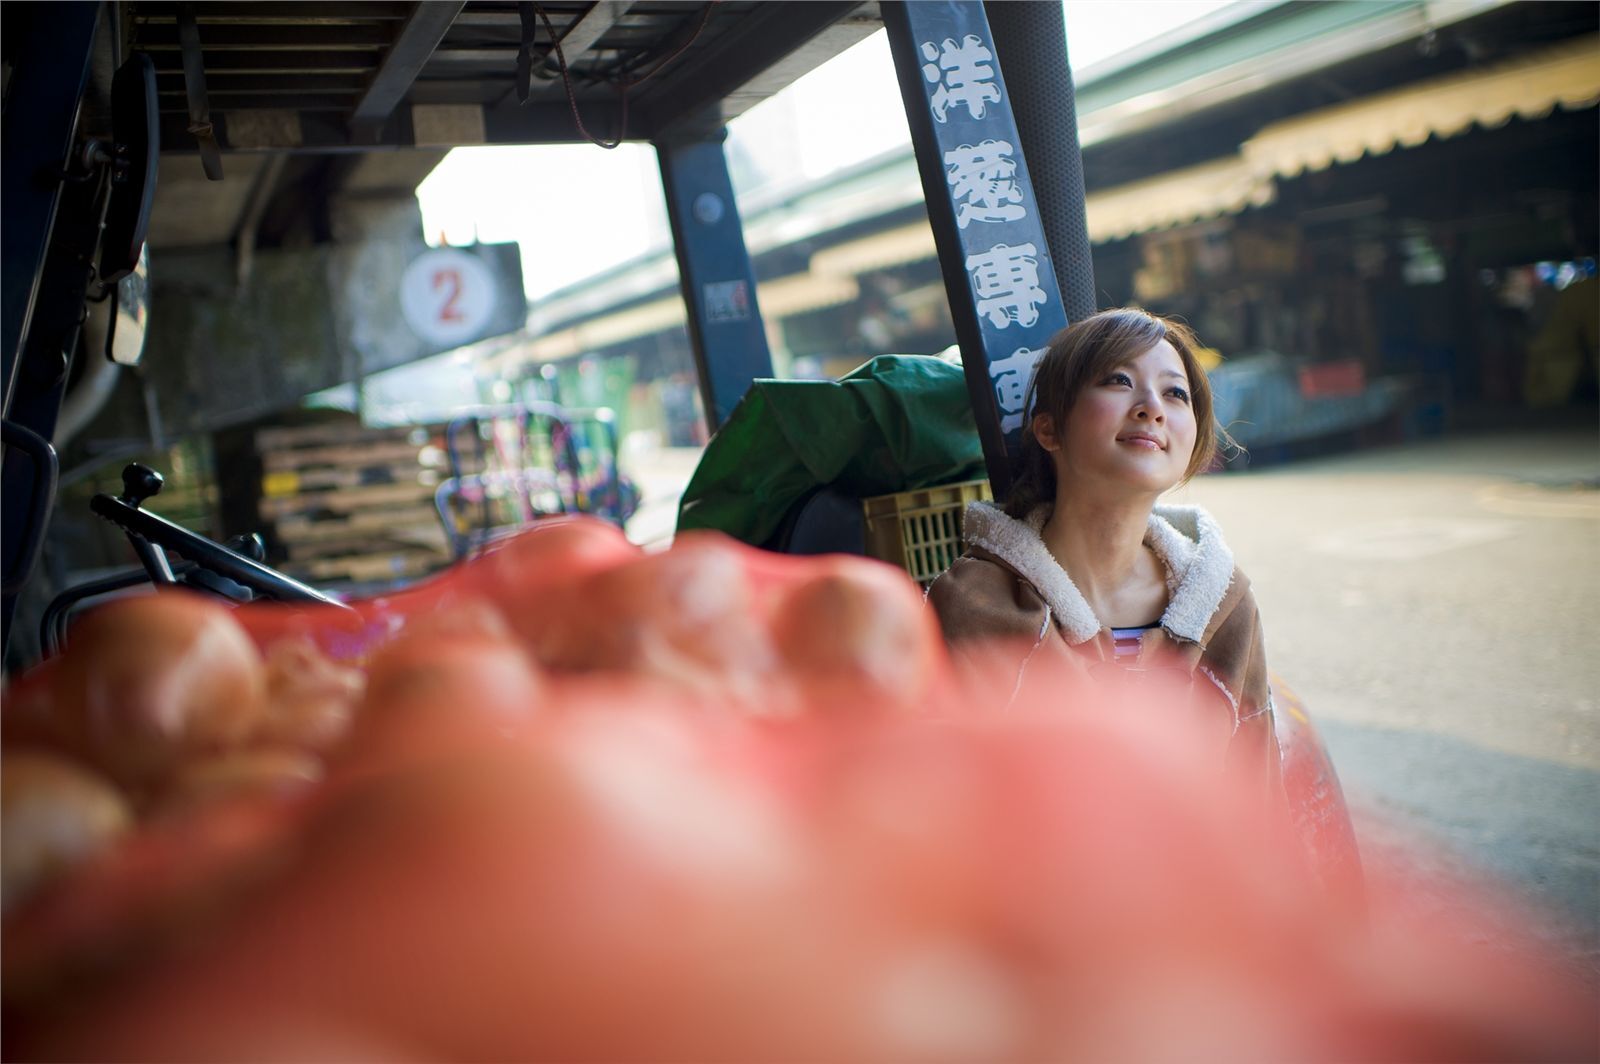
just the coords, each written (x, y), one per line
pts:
(988, 97)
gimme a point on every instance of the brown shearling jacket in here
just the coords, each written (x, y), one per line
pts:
(1008, 586)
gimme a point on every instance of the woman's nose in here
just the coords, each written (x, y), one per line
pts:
(1148, 409)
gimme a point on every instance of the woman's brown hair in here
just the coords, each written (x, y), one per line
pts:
(1079, 355)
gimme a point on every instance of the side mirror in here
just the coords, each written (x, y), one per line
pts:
(130, 312)
(116, 325)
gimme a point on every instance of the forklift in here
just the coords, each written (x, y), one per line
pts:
(192, 82)
(100, 96)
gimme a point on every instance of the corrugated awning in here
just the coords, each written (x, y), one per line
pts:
(615, 328)
(802, 292)
(1169, 199)
(909, 243)
(778, 298)
(1176, 198)
(1566, 75)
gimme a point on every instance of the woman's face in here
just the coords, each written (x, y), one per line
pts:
(1132, 428)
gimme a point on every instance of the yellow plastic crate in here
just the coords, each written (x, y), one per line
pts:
(920, 531)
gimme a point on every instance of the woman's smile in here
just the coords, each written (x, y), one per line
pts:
(1142, 440)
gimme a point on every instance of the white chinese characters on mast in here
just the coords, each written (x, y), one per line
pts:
(963, 73)
(983, 179)
(1010, 308)
(1011, 376)
(1006, 280)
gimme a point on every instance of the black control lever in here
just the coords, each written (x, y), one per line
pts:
(140, 482)
(149, 532)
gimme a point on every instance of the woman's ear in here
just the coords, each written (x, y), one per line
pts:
(1044, 430)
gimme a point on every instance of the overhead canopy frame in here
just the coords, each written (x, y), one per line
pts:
(323, 77)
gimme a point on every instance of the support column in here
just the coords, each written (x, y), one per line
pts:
(714, 269)
(986, 223)
(1030, 40)
(36, 142)
(47, 243)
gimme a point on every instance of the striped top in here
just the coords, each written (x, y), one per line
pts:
(1125, 641)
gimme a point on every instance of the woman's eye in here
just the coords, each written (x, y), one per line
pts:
(1119, 378)
(1178, 394)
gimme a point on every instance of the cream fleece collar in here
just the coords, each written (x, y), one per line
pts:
(1186, 539)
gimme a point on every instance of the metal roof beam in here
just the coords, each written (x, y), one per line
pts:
(297, 37)
(494, 55)
(230, 63)
(580, 35)
(326, 131)
(430, 20)
(279, 13)
(586, 30)
(768, 48)
(171, 84)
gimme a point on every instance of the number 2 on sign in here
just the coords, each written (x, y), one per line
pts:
(450, 280)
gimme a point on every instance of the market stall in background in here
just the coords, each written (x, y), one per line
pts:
(1377, 213)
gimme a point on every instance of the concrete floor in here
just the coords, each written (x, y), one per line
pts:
(1437, 606)
(1451, 587)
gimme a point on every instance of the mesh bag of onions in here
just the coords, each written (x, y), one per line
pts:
(575, 801)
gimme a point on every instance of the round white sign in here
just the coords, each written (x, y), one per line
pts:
(447, 296)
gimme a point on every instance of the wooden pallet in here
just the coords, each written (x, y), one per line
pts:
(345, 503)
(278, 485)
(347, 500)
(274, 439)
(349, 456)
(363, 533)
(368, 568)
(373, 522)
(429, 537)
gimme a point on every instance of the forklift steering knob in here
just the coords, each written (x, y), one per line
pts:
(139, 482)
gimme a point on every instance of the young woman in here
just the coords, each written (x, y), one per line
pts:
(1083, 566)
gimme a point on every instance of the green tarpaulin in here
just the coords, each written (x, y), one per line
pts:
(898, 422)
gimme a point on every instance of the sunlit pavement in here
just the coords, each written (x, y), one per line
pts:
(1437, 606)
(660, 474)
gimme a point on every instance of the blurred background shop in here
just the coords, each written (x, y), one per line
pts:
(1380, 216)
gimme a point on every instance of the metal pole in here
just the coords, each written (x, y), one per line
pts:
(1030, 40)
(44, 265)
(992, 248)
(714, 270)
(52, 70)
